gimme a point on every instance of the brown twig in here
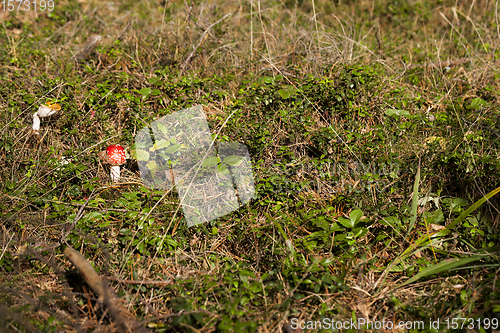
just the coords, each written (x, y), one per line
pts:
(77, 217)
(122, 316)
(441, 64)
(87, 49)
(146, 282)
(5, 312)
(202, 39)
(184, 313)
(120, 36)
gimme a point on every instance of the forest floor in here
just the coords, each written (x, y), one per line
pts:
(373, 136)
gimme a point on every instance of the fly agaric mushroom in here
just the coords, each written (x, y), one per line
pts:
(45, 110)
(115, 156)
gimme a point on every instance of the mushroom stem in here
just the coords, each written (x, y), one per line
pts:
(36, 123)
(115, 173)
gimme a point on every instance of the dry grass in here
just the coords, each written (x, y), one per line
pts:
(407, 44)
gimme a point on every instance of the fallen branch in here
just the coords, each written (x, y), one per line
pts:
(125, 320)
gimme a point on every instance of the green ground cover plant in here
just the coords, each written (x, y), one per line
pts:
(374, 133)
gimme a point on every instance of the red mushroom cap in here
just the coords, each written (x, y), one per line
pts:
(116, 155)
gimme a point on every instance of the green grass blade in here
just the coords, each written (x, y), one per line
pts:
(426, 239)
(414, 202)
(462, 216)
(446, 265)
(443, 266)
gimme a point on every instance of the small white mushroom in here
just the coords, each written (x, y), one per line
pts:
(45, 110)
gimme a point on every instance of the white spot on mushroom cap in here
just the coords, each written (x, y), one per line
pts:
(116, 155)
